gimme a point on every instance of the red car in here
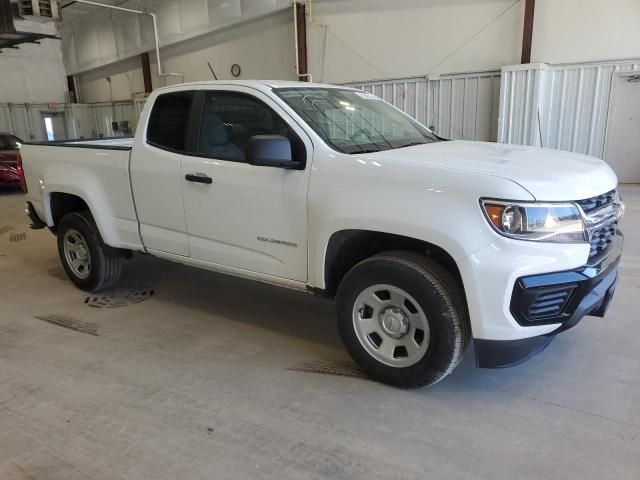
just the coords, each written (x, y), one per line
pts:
(9, 161)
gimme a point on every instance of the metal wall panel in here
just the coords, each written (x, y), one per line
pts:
(558, 106)
(82, 120)
(18, 118)
(459, 106)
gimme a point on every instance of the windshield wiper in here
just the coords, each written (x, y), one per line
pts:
(370, 150)
(412, 144)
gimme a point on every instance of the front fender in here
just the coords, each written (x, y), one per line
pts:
(436, 205)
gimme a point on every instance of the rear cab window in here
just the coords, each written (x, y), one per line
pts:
(169, 121)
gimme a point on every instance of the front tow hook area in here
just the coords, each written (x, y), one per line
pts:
(509, 353)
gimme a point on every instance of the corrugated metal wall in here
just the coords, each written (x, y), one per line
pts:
(82, 120)
(560, 106)
(460, 106)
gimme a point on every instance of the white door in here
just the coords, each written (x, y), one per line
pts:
(55, 125)
(155, 174)
(249, 217)
(622, 151)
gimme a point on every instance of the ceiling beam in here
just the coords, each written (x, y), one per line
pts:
(24, 38)
(146, 72)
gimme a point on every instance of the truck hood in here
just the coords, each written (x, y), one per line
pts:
(549, 175)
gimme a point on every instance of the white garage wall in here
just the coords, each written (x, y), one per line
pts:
(558, 106)
(263, 48)
(380, 39)
(106, 36)
(125, 81)
(365, 39)
(33, 73)
(571, 31)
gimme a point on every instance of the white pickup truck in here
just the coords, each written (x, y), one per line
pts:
(424, 243)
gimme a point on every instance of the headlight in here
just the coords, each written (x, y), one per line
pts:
(542, 222)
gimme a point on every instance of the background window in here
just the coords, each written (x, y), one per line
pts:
(168, 121)
(230, 119)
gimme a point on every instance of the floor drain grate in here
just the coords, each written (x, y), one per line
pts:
(4, 229)
(17, 237)
(329, 367)
(119, 297)
(70, 323)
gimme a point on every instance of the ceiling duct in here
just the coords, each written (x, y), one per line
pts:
(27, 21)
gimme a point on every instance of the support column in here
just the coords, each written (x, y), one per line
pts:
(301, 28)
(71, 86)
(527, 31)
(146, 72)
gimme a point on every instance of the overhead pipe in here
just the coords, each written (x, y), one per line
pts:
(155, 31)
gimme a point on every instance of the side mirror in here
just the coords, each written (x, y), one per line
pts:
(271, 151)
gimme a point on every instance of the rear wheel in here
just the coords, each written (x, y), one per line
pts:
(89, 262)
(403, 319)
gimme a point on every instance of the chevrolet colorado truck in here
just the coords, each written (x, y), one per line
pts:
(425, 243)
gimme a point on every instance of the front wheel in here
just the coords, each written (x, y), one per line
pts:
(403, 319)
(89, 262)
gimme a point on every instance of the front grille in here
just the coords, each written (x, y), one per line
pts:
(590, 205)
(550, 303)
(602, 238)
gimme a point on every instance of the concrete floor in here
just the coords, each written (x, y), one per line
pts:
(196, 383)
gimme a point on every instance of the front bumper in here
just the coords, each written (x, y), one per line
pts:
(560, 298)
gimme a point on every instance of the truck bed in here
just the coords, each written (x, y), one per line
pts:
(101, 166)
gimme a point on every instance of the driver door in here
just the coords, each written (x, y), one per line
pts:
(238, 215)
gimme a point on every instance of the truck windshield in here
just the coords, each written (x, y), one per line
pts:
(353, 121)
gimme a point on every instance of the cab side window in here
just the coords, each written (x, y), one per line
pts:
(230, 119)
(169, 119)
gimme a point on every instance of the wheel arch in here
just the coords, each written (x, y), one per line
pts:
(346, 248)
(59, 203)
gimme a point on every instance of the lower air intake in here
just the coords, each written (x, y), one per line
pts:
(549, 303)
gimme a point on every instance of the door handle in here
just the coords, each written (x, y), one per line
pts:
(198, 178)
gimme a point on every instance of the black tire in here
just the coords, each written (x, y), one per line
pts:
(106, 262)
(438, 296)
